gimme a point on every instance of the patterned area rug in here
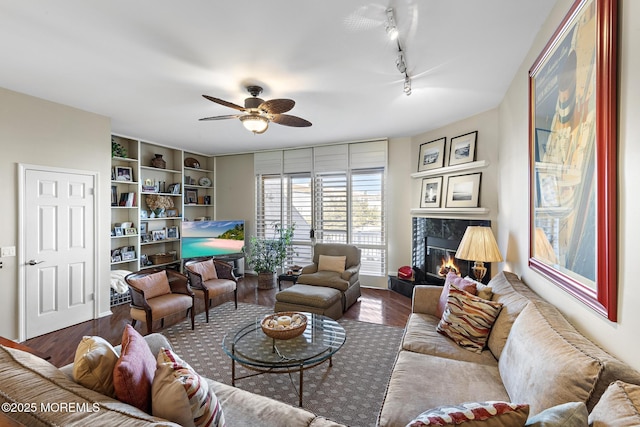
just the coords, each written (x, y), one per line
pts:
(350, 392)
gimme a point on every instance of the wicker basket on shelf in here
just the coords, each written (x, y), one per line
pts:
(161, 258)
(288, 330)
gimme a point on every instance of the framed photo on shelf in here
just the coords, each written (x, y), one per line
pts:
(573, 122)
(463, 148)
(118, 231)
(431, 192)
(123, 173)
(144, 227)
(191, 197)
(431, 155)
(130, 231)
(463, 191)
(158, 235)
(171, 212)
(172, 232)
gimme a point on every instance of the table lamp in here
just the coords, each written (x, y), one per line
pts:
(479, 245)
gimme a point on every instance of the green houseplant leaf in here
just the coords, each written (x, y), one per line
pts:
(267, 254)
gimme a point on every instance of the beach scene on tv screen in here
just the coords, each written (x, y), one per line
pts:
(212, 238)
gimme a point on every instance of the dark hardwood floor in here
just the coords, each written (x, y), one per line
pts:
(380, 306)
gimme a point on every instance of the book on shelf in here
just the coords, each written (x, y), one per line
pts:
(127, 199)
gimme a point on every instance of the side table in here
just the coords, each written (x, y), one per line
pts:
(12, 344)
(293, 278)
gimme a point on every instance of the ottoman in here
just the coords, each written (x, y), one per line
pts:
(314, 299)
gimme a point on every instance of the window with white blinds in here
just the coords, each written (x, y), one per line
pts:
(341, 199)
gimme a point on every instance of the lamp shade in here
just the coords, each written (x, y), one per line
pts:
(478, 244)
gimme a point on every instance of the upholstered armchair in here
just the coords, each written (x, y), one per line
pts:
(335, 265)
(211, 278)
(156, 294)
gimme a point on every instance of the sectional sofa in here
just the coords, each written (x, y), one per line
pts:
(533, 356)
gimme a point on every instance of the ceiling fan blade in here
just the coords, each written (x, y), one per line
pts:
(288, 120)
(277, 106)
(230, 116)
(225, 103)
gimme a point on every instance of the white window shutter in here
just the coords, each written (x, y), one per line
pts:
(366, 155)
(267, 162)
(298, 160)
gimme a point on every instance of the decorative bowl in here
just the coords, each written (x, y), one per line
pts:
(284, 325)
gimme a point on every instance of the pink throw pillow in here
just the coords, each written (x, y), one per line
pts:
(134, 371)
(153, 285)
(206, 269)
(458, 282)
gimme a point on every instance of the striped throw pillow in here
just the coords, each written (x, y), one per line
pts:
(180, 395)
(468, 319)
(488, 414)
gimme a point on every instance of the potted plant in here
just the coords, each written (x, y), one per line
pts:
(267, 254)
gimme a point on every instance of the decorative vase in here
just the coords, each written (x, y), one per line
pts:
(158, 162)
(266, 280)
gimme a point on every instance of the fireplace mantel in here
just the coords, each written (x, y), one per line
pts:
(449, 211)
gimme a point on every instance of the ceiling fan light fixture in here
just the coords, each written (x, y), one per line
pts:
(255, 123)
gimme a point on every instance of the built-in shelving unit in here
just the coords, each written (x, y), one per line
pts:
(124, 205)
(155, 188)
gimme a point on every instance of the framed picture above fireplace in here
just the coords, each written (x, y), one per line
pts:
(431, 192)
(431, 155)
(463, 191)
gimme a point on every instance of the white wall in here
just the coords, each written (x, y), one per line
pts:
(403, 160)
(39, 132)
(618, 338)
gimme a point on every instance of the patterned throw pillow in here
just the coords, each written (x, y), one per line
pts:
(489, 414)
(468, 319)
(134, 371)
(453, 279)
(180, 395)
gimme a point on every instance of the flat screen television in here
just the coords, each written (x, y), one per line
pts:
(212, 238)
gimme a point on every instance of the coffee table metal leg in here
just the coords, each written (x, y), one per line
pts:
(233, 372)
(301, 383)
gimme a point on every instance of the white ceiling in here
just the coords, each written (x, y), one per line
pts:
(146, 63)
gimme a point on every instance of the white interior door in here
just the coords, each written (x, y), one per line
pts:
(59, 251)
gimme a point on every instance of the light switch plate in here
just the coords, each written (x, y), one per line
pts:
(8, 251)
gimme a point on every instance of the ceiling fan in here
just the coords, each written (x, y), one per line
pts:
(258, 112)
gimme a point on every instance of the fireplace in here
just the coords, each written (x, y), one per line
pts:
(440, 259)
(433, 240)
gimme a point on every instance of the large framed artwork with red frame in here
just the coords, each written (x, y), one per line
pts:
(573, 148)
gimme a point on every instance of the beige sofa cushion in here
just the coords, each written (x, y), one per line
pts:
(420, 382)
(619, 406)
(421, 337)
(541, 367)
(27, 379)
(512, 304)
(264, 412)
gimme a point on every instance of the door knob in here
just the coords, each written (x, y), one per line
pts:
(34, 262)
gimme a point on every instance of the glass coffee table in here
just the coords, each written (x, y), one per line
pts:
(252, 349)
